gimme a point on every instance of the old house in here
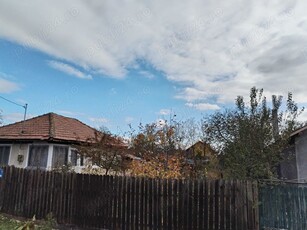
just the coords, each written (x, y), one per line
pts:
(45, 141)
(294, 167)
(204, 159)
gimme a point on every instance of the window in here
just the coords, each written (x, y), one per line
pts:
(4, 155)
(81, 160)
(38, 155)
(60, 156)
(73, 157)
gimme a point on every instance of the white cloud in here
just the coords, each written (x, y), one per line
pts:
(98, 119)
(213, 50)
(203, 106)
(68, 69)
(146, 74)
(8, 86)
(70, 113)
(15, 117)
(164, 112)
(303, 116)
(128, 120)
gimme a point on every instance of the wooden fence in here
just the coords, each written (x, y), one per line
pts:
(283, 206)
(111, 202)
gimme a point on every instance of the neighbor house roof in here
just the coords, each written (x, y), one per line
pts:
(299, 131)
(49, 127)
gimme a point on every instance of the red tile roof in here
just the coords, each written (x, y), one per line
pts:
(50, 127)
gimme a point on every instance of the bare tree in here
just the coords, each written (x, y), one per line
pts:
(105, 151)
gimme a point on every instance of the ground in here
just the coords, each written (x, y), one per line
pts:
(8, 222)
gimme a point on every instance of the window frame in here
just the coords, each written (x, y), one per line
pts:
(66, 159)
(80, 158)
(10, 152)
(29, 151)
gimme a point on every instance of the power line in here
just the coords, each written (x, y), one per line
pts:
(24, 106)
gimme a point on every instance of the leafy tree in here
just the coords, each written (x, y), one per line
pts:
(161, 146)
(250, 137)
(105, 151)
(158, 146)
(154, 139)
(155, 167)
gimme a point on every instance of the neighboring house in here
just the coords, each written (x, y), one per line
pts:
(200, 151)
(204, 159)
(45, 141)
(295, 166)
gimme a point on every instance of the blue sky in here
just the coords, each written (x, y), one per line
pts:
(142, 96)
(112, 63)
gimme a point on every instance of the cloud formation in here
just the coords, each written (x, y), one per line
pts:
(213, 51)
(164, 112)
(7, 86)
(203, 106)
(98, 119)
(68, 69)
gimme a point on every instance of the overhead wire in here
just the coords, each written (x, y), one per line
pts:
(12, 102)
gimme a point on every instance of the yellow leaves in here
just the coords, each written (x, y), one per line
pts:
(159, 167)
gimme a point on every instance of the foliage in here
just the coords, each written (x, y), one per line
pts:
(68, 168)
(158, 146)
(9, 222)
(153, 139)
(251, 136)
(162, 150)
(160, 167)
(105, 151)
(29, 225)
(48, 223)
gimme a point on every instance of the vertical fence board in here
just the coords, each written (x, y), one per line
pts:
(180, 204)
(217, 205)
(195, 215)
(146, 204)
(170, 198)
(164, 204)
(211, 205)
(186, 203)
(222, 211)
(200, 205)
(175, 198)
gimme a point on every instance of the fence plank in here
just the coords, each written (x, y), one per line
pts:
(170, 204)
(175, 207)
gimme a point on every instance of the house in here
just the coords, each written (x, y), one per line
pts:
(199, 151)
(45, 141)
(204, 159)
(294, 167)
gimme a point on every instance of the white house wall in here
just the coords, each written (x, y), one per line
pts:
(19, 149)
(23, 149)
(301, 155)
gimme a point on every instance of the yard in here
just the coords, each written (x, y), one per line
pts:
(9, 222)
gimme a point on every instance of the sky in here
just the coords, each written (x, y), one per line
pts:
(113, 63)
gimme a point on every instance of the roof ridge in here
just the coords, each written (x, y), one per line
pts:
(17, 122)
(298, 130)
(50, 126)
(72, 118)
